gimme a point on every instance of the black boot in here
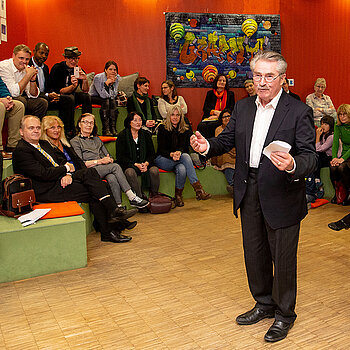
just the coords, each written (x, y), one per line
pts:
(105, 122)
(113, 121)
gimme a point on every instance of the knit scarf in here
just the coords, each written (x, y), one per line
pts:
(147, 100)
(221, 100)
(131, 146)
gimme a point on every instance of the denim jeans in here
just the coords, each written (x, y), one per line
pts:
(229, 172)
(182, 168)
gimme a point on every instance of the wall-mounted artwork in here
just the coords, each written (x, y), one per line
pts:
(201, 45)
(3, 24)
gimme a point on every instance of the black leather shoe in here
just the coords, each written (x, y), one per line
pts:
(278, 331)
(115, 237)
(121, 213)
(338, 225)
(254, 316)
(126, 224)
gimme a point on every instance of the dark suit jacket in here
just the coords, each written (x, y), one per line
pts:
(294, 95)
(46, 75)
(30, 162)
(282, 195)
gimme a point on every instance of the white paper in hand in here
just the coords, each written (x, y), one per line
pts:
(276, 146)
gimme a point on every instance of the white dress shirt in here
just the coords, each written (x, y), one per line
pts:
(12, 76)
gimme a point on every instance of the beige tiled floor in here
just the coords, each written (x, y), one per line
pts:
(179, 284)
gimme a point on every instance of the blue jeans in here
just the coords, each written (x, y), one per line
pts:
(182, 168)
(229, 172)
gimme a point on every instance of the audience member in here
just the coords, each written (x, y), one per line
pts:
(135, 153)
(169, 98)
(341, 224)
(340, 165)
(225, 162)
(14, 111)
(320, 103)
(52, 130)
(65, 79)
(140, 102)
(63, 103)
(103, 91)
(20, 80)
(55, 179)
(217, 99)
(173, 154)
(92, 151)
(249, 87)
(286, 89)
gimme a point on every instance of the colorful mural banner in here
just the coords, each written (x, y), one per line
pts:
(201, 45)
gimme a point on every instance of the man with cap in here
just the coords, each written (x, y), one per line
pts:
(65, 79)
(63, 103)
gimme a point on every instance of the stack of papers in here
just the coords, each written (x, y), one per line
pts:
(33, 216)
(276, 146)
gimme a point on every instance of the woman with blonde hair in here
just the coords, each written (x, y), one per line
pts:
(173, 154)
(340, 165)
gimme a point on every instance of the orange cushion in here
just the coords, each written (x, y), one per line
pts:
(59, 210)
(107, 138)
(318, 202)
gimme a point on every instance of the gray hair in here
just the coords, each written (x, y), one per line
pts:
(24, 118)
(321, 81)
(270, 56)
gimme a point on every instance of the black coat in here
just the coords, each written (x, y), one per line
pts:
(282, 195)
(210, 102)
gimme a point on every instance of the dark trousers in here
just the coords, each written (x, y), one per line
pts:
(270, 257)
(131, 176)
(88, 187)
(341, 173)
(207, 129)
(34, 106)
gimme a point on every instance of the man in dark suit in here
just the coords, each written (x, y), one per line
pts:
(269, 192)
(285, 86)
(56, 180)
(63, 103)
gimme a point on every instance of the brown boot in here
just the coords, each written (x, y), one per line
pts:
(200, 193)
(179, 201)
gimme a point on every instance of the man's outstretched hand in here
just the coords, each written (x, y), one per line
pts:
(198, 142)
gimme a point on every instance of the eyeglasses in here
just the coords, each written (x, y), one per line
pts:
(87, 122)
(74, 58)
(268, 78)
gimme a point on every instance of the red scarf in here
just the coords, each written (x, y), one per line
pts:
(221, 100)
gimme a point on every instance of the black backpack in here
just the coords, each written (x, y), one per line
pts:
(18, 195)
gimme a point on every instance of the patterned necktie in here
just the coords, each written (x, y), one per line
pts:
(47, 156)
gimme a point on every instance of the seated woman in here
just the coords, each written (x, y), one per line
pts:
(217, 99)
(52, 130)
(93, 152)
(324, 142)
(103, 91)
(225, 162)
(340, 166)
(170, 98)
(249, 87)
(140, 102)
(320, 103)
(173, 148)
(135, 153)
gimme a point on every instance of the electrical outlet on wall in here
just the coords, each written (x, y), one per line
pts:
(291, 82)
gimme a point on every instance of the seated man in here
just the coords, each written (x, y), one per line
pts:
(21, 81)
(63, 103)
(56, 180)
(14, 111)
(65, 78)
(285, 86)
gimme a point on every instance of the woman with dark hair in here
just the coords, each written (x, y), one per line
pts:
(92, 151)
(217, 99)
(169, 98)
(140, 103)
(103, 91)
(173, 154)
(324, 142)
(225, 162)
(135, 154)
(340, 165)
